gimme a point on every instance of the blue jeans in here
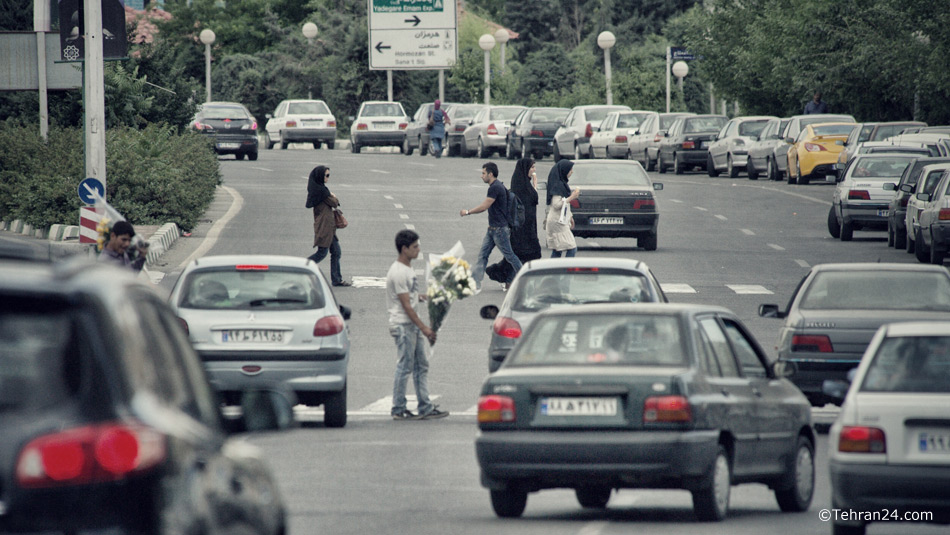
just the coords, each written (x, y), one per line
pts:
(570, 253)
(495, 237)
(411, 353)
(334, 249)
(436, 146)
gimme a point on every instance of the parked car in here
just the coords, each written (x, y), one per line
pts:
(729, 151)
(255, 318)
(863, 192)
(378, 124)
(532, 133)
(930, 176)
(873, 132)
(933, 222)
(572, 139)
(488, 132)
(889, 448)
(938, 143)
(601, 397)
(560, 282)
(107, 421)
(300, 121)
(686, 144)
(766, 150)
(897, 208)
(795, 125)
(610, 139)
(836, 308)
(231, 126)
(644, 144)
(878, 147)
(461, 116)
(417, 135)
(814, 153)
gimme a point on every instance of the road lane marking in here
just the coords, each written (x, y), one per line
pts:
(677, 288)
(384, 405)
(593, 528)
(403, 216)
(410, 226)
(749, 289)
(776, 247)
(700, 208)
(388, 197)
(722, 217)
(369, 282)
(432, 180)
(676, 201)
(593, 244)
(397, 205)
(380, 171)
(747, 232)
(214, 232)
(802, 263)
(265, 169)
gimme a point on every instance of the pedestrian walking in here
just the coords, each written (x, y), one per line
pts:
(324, 223)
(409, 332)
(816, 105)
(524, 239)
(560, 221)
(499, 229)
(438, 119)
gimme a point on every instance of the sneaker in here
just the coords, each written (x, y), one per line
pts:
(406, 414)
(434, 414)
(478, 290)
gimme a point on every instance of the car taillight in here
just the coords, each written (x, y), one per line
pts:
(689, 144)
(666, 409)
(506, 327)
(575, 203)
(402, 126)
(640, 204)
(859, 439)
(361, 126)
(589, 131)
(657, 138)
(620, 139)
(492, 130)
(252, 267)
(496, 409)
(859, 195)
(328, 326)
(582, 270)
(291, 124)
(460, 128)
(184, 325)
(331, 123)
(252, 126)
(201, 126)
(90, 454)
(812, 343)
(944, 214)
(814, 147)
(537, 133)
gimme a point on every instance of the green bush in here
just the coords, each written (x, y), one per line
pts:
(153, 175)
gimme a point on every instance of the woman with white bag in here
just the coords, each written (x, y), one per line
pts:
(560, 221)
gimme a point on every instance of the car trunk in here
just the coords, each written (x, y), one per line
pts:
(851, 331)
(875, 187)
(546, 129)
(916, 425)
(614, 199)
(700, 140)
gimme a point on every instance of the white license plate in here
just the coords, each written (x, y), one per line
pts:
(606, 221)
(229, 145)
(251, 336)
(882, 213)
(385, 126)
(579, 406)
(934, 442)
(703, 144)
(313, 123)
(550, 143)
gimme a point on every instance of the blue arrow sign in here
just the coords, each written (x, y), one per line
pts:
(88, 189)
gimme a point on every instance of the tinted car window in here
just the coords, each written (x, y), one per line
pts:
(888, 130)
(505, 114)
(720, 347)
(538, 290)
(704, 124)
(464, 112)
(805, 121)
(548, 116)
(224, 112)
(876, 290)
(596, 114)
(300, 108)
(910, 364)
(833, 129)
(666, 122)
(382, 110)
(274, 288)
(748, 359)
(630, 120)
(609, 175)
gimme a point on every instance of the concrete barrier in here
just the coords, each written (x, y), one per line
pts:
(71, 232)
(26, 230)
(56, 232)
(16, 225)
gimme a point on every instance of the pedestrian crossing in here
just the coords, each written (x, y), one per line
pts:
(669, 288)
(382, 407)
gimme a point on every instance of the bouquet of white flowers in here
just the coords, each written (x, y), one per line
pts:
(450, 280)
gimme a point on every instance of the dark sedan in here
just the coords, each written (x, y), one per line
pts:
(837, 308)
(686, 144)
(532, 133)
(231, 125)
(602, 397)
(616, 201)
(897, 209)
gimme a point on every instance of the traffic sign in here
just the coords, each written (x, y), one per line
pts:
(412, 34)
(681, 54)
(88, 189)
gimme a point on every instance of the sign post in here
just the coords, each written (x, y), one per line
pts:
(412, 34)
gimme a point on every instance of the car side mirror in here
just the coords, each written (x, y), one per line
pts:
(782, 369)
(269, 409)
(770, 311)
(907, 188)
(890, 186)
(923, 197)
(488, 312)
(345, 312)
(657, 186)
(666, 134)
(636, 132)
(835, 389)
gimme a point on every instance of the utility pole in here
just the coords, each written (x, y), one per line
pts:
(94, 95)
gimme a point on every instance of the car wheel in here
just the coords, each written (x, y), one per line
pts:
(268, 143)
(650, 164)
(330, 145)
(454, 150)
(252, 156)
(557, 154)
(711, 167)
(751, 171)
(283, 144)
(847, 231)
(590, 152)
(648, 242)
(508, 503)
(711, 503)
(678, 167)
(334, 409)
(239, 156)
(355, 147)
(771, 171)
(936, 254)
(406, 147)
(732, 169)
(593, 497)
(802, 179)
(834, 227)
(423, 147)
(509, 150)
(481, 150)
(316, 144)
(890, 235)
(921, 251)
(799, 483)
(900, 240)
(577, 152)
(660, 168)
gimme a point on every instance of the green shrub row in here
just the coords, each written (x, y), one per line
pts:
(153, 175)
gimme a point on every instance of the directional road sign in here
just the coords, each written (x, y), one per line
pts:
(88, 189)
(412, 34)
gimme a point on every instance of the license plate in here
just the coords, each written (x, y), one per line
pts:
(229, 145)
(385, 126)
(606, 221)
(550, 143)
(252, 336)
(579, 406)
(882, 213)
(703, 144)
(934, 442)
(313, 123)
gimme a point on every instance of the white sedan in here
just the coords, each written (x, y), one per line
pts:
(610, 139)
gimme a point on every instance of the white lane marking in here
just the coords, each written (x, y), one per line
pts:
(471, 411)
(722, 217)
(776, 247)
(676, 201)
(420, 164)
(748, 232)
(678, 288)
(369, 282)
(397, 205)
(410, 226)
(385, 405)
(700, 208)
(802, 263)
(593, 244)
(388, 197)
(380, 171)
(268, 170)
(403, 216)
(768, 188)
(749, 289)
(593, 528)
(215, 231)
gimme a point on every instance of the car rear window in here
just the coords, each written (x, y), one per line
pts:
(878, 290)
(301, 108)
(464, 112)
(833, 129)
(910, 364)
(631, 120)
(597, 114)
(505, 114)
(609, 175)
(548, 115)
(382, 110)
(703, 124)
(602, 339)
(752, 128)
(541, 289)
(881, 167)
(224, 112)
(252, 289)
(886, 131)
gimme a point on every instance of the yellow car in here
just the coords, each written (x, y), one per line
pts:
(815, 151)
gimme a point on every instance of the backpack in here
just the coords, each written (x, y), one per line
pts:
(516, 215)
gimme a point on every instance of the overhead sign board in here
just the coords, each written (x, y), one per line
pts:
(412, 34)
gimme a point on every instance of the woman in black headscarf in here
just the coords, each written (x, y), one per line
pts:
(560, 221)
(324, 225)
(524, 239)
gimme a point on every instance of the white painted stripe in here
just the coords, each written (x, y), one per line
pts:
(471, 411)
(676, 201)
(403, 216)
(369, 282)
(776, 247)
(749, 289)
(380, 171)
(388, 197)
(722, 217)
(593, 244)
(410, 226)
(677, 288)
(396, 205)
(700, 208)
(802, 263)
(593, 528)
(385, 404)
(268, 170)
(237, 203)
(748, 232)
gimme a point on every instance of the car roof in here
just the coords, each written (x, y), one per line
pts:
(755, 118)
(832, 123)
(302, 100)
(72, 276)
(935, 166)
(618, 107)
(805, 115)
(659, 309)
(918, 328)
(884, 155)
(587, 261)
(221, 103)
(879, 266)
(249, 259)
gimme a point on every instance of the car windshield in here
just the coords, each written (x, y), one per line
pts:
(223, 112)
(385, 109)
(631, 120)
(897, 148)
(833, 129)
(538, 290)
(864, 134)
(878, 290)
(601, 339)
(504, 114)
(703, 124)
(910, 364)
(548, 115)
(252, 289)
(752, 128)
(885, 167)
(607, 174)
(302, 108)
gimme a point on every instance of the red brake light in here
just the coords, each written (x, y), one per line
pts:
(496, 409)
(506, 327)
(944, 214)
(291, 123)
(814, 147)
(813, 343)
(666, 409)
(492, 130)
(657, 138)
(328, 326)
(537, 133)
(575, 203)
(460, 128)
(184, 325)
(331, 123)
(861, 440)
(859, 195)
(644, 203)
(201, 126)
(402, 126)
(361, 126)
(689, 144)
(252, 126)
(620, 139)
(583, 270)
(252, 267)
(589, 131)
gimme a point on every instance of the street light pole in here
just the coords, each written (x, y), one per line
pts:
(310, 31)
(207, 37)
(680, 70)
(486, 42)
(605, 41)
(501, 35)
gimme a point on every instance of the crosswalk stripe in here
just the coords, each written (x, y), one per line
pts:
(369, 282)
(669, 287)
(749, 289)
(678, 288)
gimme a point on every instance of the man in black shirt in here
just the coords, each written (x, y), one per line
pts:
(499, 230)
(816, 105)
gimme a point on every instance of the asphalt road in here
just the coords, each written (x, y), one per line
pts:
(730, 242)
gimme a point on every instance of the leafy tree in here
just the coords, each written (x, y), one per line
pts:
(16, 15)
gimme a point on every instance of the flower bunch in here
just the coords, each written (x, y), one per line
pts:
(451, 280)
(103, 228)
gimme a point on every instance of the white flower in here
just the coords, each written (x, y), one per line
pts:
(467, 292)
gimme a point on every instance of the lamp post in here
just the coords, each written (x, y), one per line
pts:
(207, 37)
(486, 42)
(680, 70)
(501, 35)
(605, 41)
(310, 31)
